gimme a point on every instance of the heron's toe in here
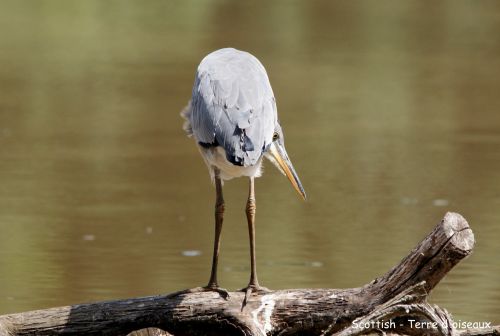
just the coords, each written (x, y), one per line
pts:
(212, 288)
(257, 289)
(253, 289)
(215, 288)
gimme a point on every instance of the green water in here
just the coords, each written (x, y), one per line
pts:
(391, 117)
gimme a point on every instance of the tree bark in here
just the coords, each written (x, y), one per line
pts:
(398, 296)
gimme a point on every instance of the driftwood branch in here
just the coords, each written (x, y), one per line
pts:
(398, 297)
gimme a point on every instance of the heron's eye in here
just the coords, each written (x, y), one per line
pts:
(275, 136)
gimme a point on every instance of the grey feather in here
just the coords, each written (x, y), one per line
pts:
(232, 106)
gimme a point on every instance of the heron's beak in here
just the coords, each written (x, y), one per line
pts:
(278, 155)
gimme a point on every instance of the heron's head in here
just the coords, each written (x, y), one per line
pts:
(276, 153)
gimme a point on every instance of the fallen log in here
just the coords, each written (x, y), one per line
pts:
(388, 304)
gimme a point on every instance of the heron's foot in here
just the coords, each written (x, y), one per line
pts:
(251, 289)
(209, 288)
(215, 288)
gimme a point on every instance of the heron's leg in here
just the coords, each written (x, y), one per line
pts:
(250, 210)
(253, 285)
(219, 217)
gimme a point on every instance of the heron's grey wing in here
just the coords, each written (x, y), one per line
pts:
(233, 106)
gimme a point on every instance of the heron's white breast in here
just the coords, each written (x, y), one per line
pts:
(216, 157)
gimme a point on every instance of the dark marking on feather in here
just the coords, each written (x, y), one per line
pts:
(208, 145)
(234, 159)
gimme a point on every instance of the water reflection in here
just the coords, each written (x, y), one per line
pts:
(390, 111)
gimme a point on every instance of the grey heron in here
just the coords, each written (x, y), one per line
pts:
(233, 118)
